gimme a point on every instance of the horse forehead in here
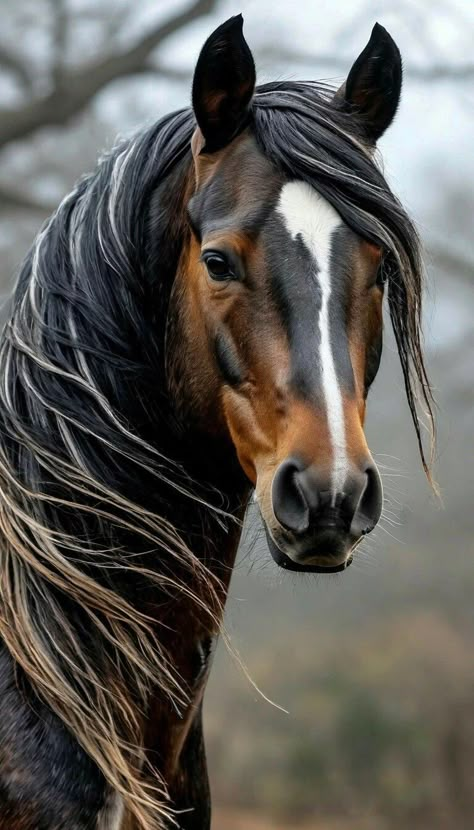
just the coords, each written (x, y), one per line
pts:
(308, 216)
(240, 188)
(312, 253)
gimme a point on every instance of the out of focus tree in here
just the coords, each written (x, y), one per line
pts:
(52, 90)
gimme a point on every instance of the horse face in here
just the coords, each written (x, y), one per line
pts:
(286, 303)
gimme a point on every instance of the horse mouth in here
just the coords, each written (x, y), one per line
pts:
(284, 561)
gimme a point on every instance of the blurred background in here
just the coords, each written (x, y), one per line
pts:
(374, 667)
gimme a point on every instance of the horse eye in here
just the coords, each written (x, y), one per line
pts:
(217, 266)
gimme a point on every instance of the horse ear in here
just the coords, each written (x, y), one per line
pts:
(223, 84)
(373, 86)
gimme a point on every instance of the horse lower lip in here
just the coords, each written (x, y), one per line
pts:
(315, 569)
(288, 564)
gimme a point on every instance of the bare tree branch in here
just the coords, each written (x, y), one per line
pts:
(12, 63)
(11, 200)
(436, 72)
(60, 16)
(172, 73)
(76, 88)
(461, 266)
(442, 72)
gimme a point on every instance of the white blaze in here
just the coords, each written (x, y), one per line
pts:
(308, 215)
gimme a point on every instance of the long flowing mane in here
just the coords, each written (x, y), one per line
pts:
(88, 482)
(78, 523)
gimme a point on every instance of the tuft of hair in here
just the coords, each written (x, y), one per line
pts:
(303, 131)
(80, 535)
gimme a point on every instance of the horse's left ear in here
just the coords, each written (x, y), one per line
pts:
(223, 84)
(373, 87)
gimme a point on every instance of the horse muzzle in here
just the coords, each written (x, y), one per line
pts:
(313, 526)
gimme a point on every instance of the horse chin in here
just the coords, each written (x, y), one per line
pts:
(284, 561)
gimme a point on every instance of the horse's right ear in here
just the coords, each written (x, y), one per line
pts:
(223, 85)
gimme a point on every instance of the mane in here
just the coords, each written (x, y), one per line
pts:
(86, 489)
(84, 496)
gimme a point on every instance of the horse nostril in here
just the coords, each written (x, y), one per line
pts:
(289, 503)
(370, 505)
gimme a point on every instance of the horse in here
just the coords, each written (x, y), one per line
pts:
(199, 321)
